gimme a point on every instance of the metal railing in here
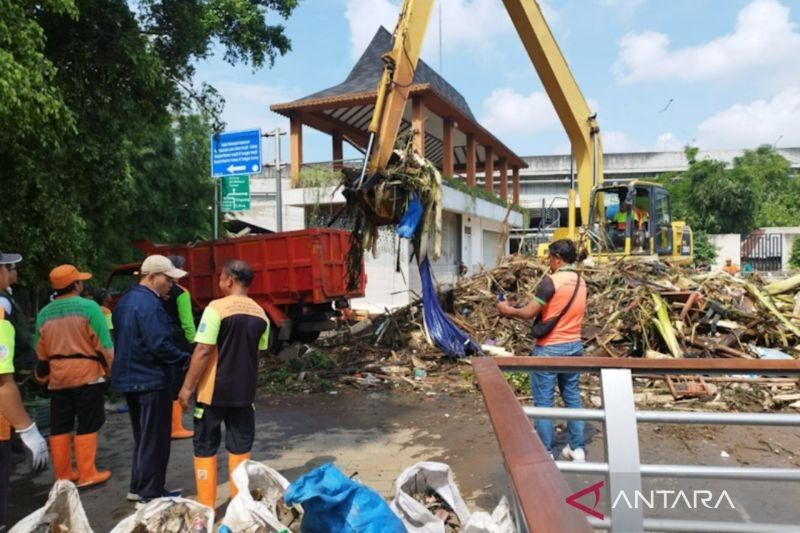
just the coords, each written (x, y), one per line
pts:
(623, 469)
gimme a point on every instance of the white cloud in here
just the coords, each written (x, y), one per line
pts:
(365, 17)
(755, 123)
(247, 105)
(507, 111)
(465, 23)
(763, 41)
(617, 142)
(666, 142)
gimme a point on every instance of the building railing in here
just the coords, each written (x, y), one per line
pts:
(537, 480)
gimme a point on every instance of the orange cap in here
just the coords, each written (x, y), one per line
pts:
(62, 275)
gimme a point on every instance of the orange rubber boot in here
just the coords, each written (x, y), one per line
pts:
(178, 431)
(85, 455)
(205, 479)
(235, 460)
(61, 453)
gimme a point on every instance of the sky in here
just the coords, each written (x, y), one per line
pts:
(718, 74)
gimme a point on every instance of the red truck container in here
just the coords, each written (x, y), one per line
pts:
(300, 276)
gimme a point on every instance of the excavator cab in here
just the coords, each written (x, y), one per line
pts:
(635, 220)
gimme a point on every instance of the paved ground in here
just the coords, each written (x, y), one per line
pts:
(378, 434)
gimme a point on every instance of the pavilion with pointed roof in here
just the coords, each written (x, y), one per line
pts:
(453, 139)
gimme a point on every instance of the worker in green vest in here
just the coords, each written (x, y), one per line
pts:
(178, 305)
(12, 411)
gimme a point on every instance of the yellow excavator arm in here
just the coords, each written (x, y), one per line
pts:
(570, 105)
(578, 120)
(398, 76)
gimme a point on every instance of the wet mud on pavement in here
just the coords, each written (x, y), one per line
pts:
(379, 434)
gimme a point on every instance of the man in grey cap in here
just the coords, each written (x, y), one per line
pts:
(12, 411)
(145, 357)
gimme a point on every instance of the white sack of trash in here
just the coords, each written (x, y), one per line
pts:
(433, 483)
(63, 511)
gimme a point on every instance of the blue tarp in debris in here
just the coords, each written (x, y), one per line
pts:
(441, 330)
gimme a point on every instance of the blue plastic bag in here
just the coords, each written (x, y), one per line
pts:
(444, 334)
(410, 221)
(334, 503)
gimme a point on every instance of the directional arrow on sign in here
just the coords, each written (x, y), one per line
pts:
(233, 168)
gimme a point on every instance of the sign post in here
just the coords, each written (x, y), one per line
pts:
(277, 132)
(215, 222)
(235, 193)
(234, 153)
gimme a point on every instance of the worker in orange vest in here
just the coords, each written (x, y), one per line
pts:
(74, 355)
(730, 267)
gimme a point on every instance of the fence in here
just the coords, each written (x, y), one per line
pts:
(540, 491)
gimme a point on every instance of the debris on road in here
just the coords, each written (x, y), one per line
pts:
(635, 309)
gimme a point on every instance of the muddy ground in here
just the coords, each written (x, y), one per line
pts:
(378, 434)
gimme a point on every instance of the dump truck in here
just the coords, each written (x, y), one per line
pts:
(301, 277)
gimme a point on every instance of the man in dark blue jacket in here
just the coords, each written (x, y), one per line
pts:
(144, 355)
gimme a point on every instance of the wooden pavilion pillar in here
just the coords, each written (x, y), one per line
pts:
(447, 147)
(418, 123)
(296, 148)
(488, 169)
(504, 178)
(338, 149)
(516, 185)
(471, 162)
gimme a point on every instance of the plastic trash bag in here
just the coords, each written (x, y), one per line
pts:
(63, 507)
(427, 475)
(411, 218)
(438, 327)
(266, 511)
(334, 503)
(169, 514)
(498, 522)
(417, 479)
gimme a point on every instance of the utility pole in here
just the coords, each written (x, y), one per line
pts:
(215, 221)
(277, 132)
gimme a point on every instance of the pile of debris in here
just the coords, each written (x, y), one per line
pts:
(635, 309)
(645, 309)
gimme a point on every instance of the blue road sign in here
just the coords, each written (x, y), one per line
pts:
(236, 152)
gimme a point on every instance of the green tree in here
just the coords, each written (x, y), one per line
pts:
(104, 135)
(794, 259)
(777, 190)
(711, 198)
(704, 249)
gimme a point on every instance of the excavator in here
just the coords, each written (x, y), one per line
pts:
(616, 221)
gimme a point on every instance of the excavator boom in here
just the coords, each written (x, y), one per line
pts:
(578, 120)
(570, 105)
(396, 80)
